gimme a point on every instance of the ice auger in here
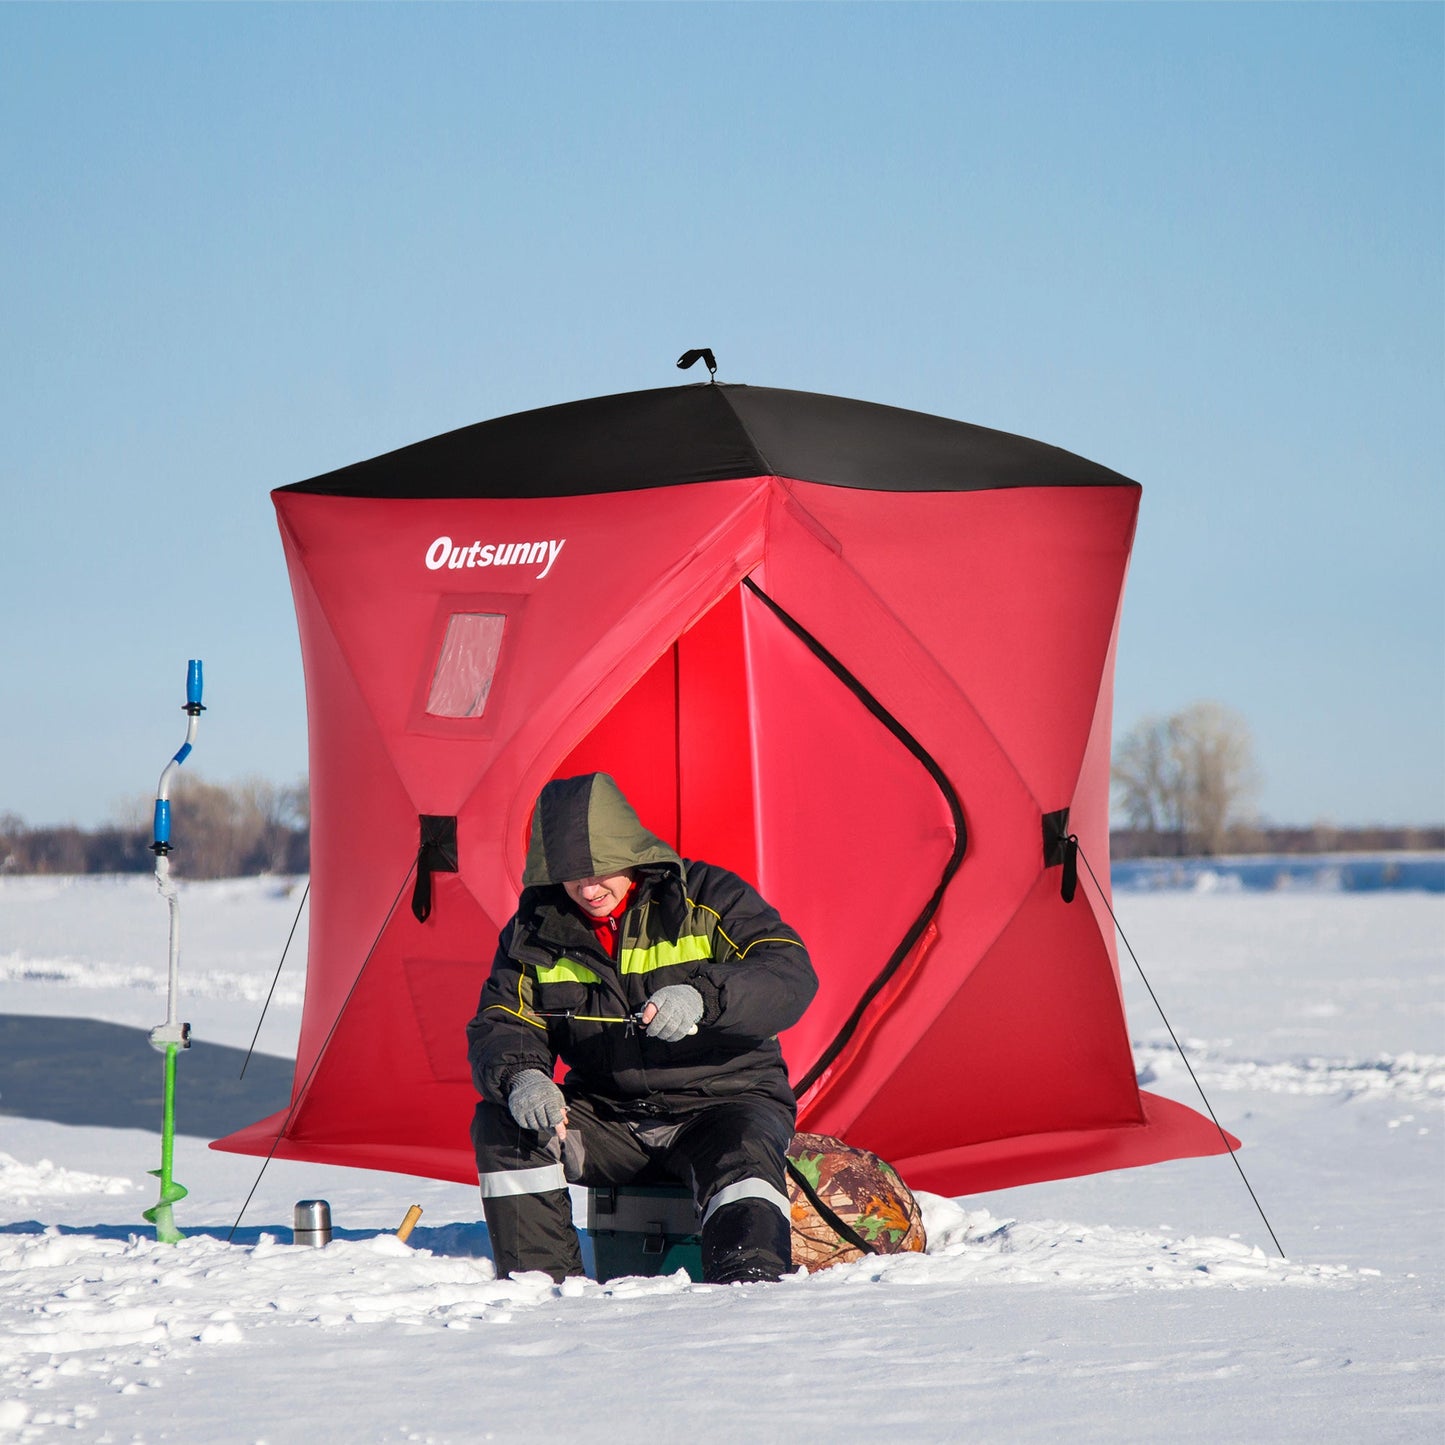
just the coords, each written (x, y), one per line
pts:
(172, 1036)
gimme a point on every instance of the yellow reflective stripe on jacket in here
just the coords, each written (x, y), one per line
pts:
(566, 970)
(740, 952)
(663, 955)
(523, 1010)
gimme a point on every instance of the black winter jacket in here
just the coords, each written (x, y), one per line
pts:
(554, 992)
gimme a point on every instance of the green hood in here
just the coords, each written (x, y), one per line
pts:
(585, 828)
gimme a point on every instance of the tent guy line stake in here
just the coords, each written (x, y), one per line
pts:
(305, 894)
(321, 1052)
(1179, 1048)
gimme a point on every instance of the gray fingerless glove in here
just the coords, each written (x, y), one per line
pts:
(535, 1101)
(679, 1007)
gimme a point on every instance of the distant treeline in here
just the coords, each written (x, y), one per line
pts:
(1262, 838)
(257, 827)
(218, 832)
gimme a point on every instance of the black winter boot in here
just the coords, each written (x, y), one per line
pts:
(746, 1240)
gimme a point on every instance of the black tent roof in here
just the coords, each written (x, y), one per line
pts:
(711, 433)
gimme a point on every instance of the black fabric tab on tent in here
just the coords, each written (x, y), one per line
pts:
(437, 854)
(1056, 832)
(714, 432)
(1060, 846)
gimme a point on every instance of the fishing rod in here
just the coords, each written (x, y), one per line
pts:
(172, 1036)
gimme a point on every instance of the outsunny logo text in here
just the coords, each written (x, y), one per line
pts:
(445, 553)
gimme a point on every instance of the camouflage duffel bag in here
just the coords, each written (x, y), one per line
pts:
(847, 1203)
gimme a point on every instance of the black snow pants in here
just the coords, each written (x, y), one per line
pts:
(730, 1153)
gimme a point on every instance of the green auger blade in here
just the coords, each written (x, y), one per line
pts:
(160, 1214)
(164, 1221)
(170, 1190)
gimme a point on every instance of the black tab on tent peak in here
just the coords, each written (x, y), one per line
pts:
(700, 353)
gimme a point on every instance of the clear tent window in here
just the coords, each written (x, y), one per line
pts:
(467, 665)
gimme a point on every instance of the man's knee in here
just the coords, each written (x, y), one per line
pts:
(738, 1140)
(497, 1135)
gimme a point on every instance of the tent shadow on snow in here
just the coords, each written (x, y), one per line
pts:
(90, 1073)
(453, 1241)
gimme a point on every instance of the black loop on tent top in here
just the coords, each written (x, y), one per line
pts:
(691, 358)
(955, 807)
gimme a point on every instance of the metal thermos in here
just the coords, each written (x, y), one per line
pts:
(311, 1222)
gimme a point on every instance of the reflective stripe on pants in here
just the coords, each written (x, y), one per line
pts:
(748, 1189)
(501, 1183)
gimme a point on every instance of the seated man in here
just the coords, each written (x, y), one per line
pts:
(663, 985)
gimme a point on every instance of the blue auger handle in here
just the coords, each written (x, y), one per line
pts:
(193, 709)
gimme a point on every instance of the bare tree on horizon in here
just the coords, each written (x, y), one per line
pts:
(1189, 777)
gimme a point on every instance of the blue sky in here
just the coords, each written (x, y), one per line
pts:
(1203, 245)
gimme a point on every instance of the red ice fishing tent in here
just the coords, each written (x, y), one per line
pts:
(862, 656)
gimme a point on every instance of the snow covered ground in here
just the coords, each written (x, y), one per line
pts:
(1148, 1304)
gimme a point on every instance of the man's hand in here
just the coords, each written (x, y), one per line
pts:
(672, 1013)
(537, 1103)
